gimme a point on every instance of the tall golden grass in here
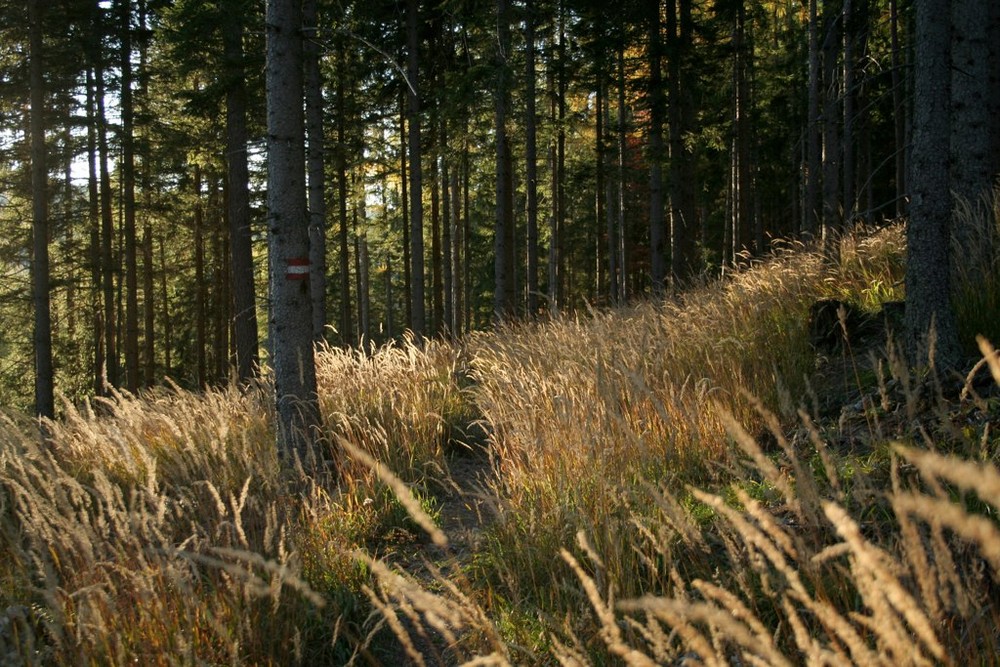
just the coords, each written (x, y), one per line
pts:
(163, 528)
(672, 485)
(655, 510)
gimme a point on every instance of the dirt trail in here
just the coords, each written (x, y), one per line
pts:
(467, 504)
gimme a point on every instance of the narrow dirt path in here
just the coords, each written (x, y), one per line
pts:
(467, 505)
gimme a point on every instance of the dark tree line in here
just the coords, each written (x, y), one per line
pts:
(460, 161)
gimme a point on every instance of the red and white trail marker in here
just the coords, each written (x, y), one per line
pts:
(298, 268)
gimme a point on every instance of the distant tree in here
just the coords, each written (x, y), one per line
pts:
(127, 105)
(292, 354)
(315, 168)
(680, 88)
(44, 392)
(928, 283)
(531, 156)
(503, 262)
(246, 337)
(655, 148)
(814, 156)
(417, 306)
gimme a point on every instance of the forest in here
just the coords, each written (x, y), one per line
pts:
(510, 332)
(465, 160)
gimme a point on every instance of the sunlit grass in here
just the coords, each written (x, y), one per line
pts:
(668, 484)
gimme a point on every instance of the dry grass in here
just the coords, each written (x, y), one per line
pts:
(667, 492)
(817, 542)
(163, 529)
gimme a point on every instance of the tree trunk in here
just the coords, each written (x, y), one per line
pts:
(148, 277)
(389, 320)
(744, 223)
(364, 287)
(814, 156)
(531, 158)
(503, 296)
(446, 234)
(832, 146)
(317, 176)
(164, 297)
(559, 192)
(655, 153)
(222, 301)
(456, 255)
(973, 109)
(437, 286)
(94, 215)
(928, 280)
(611, 206)
(683, 259)
(107, 367)
(419, 323)
(128, 201)
(201, 287)
(246, 337)
(345, 251)
(467, 232)
(407, 275)
(601, 206)
(288, 234)
(898, 113)
(852, 29)
(44, 373)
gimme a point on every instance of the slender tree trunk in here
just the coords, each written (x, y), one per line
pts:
(446, 234)
(94, 216)
(364, 287)
(107, 244)
(128, 201)
(601, 194)
(683, 260)
(559, 192)
(456, 255)
(44, 373)
(145, 183)
(832, 145)
(503, 299)
(467, 233)
(164, 297)
(814, 166)
(288, 233)
(437, 287)
(313, 81)
(928, 275)
(655, 148)
(222, 302)
(531, 158)
(419, 323)
(201, 287)
(345, 252)
(898, 113)
(625, 246)
(407, 274)
(852, 29)
(246, 337)
(389, 321)
(610, 207)
(744, 224)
